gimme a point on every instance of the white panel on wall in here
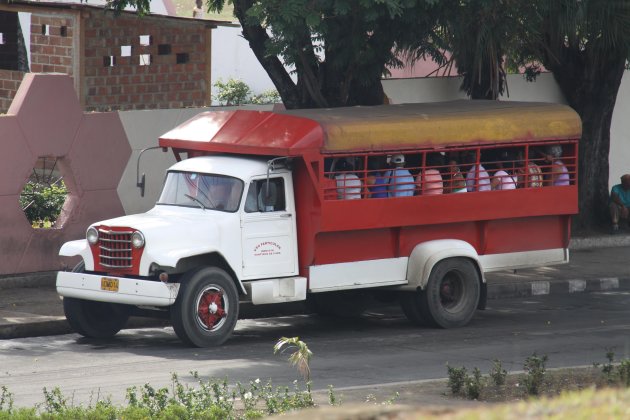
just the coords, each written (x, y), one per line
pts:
(620, 134)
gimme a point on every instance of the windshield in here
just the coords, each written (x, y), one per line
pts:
(208, 191)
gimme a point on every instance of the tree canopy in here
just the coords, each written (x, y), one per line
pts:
(338, 50)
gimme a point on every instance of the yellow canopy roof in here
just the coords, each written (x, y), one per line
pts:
(441, 124)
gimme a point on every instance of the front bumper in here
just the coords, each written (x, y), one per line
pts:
(130, 291)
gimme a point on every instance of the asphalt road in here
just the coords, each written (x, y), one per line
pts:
(378, 348)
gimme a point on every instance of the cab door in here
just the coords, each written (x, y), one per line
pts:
(268, 228)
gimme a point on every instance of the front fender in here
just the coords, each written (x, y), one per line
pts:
(425, 255)
(78, 248)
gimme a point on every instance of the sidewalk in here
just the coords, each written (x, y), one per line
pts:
(30, 306)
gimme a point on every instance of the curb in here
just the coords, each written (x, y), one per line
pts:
(602, 241)
(59, 326)
(26, 280)
(556, 287)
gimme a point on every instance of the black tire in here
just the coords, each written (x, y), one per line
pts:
(206, 309)
(94, 319)
(411, 308)
(450, 297)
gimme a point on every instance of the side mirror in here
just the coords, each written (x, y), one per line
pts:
(141, 185)
(140, 181)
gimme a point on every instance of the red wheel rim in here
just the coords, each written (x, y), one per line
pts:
(212, 308)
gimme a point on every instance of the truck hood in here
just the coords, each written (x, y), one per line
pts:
(173, 232)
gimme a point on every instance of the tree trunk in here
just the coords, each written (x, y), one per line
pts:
(257, 37)
(591, 86)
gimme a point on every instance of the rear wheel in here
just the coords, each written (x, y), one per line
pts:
(450, 297)
(206, 308)
(94, 319)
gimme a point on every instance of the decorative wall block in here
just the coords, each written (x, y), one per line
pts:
(48, 111)
(92, 150)
(99, 159)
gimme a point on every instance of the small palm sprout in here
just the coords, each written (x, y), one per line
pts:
(300, 358)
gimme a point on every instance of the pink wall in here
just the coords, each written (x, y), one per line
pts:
(45, 119)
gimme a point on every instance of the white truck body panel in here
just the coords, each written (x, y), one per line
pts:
(358, 274)
(289, 289)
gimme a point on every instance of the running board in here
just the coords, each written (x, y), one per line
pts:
(286, 289)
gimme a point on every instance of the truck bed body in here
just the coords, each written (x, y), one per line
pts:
(338, 231)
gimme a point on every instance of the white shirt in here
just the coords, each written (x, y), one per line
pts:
(506, 181)
(348, 187)
(483, 183)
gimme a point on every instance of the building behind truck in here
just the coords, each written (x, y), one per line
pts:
(253, 212)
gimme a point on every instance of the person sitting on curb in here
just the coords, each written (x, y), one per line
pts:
(619, 202)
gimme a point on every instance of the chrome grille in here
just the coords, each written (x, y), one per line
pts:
(115, 248)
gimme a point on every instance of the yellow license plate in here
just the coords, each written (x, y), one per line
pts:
(111, 285)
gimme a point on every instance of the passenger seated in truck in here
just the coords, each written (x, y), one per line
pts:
(377, 178)
(558, 173)
(477, 178)
(530, 176)
(455, 182)
(433, 182)
(348, 183)
(401, 183)
(503, 178)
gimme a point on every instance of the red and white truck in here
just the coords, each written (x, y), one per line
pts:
(256, 209)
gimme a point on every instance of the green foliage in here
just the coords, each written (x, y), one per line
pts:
(300, 358)
(616, 375)
(535, 370)
(474, 384)
(232, 92)
(623, 371)
(54, 401)
(270, 96)
(459, 381)
(332, 398)
(42, 203)
(6, 399)
(457, 378)
(208, 400)
(498, 374)
(608, 369)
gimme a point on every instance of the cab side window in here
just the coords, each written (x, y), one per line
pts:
(264, 196)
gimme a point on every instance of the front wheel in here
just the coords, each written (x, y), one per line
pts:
(94, 319)
(206, 308)
(450, 297)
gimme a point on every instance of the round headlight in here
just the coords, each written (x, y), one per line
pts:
(92, 235)
(137, 239)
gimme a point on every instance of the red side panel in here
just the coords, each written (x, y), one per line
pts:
(493, 222)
